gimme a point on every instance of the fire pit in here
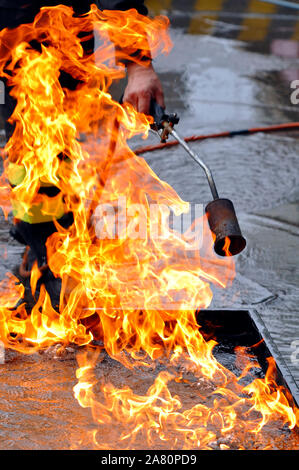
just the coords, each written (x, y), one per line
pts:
(245, 405)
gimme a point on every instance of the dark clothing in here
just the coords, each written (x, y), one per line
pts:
(80, 6)
(33, 236)
(12, 14)
(16, 12)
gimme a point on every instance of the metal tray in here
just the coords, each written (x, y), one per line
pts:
(232, 328)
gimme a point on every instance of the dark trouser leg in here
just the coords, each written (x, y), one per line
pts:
(35, 236)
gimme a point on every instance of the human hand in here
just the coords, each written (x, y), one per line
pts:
(143, 85)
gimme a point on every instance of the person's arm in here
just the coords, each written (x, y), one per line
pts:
(143, 82)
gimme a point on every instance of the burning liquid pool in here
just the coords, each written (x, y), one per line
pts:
(38, 410)
(183, 409)
(115, 290)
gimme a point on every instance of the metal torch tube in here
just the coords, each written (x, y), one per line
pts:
(198, 160)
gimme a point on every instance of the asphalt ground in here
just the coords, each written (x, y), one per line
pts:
(231, 68)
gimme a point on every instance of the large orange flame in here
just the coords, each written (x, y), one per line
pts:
(138, 287)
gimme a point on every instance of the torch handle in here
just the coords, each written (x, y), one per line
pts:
(166, 122)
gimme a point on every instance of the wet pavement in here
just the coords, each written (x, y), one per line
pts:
(230, 68)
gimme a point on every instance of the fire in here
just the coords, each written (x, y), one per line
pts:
(230, 415)
(226, 246)
(137, 287)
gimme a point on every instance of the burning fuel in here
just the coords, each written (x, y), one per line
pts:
(118, 294)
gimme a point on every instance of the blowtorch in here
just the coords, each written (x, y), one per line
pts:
(220, 212)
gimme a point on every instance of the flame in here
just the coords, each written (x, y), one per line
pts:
(226, 246)
(159, 416)
(134, 284)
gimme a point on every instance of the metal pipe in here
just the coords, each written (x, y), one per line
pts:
(221, 214)
(282, 3)
(198, 160)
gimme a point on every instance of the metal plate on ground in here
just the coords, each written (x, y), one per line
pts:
(245, 328)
